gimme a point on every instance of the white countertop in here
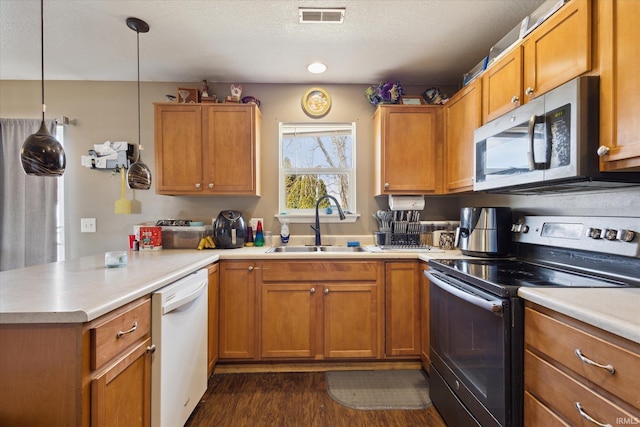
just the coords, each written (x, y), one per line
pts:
(83, 289)
(613, 310)
(80, 290)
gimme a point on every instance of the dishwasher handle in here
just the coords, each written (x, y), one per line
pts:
(175, 304)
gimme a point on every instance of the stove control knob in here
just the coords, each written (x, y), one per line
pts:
(626, 235)
(594, 233)
(610, 234)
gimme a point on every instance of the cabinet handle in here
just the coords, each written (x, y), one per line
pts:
(529, 91)
(589, 417)
(386, 185)
(133, 328)
(603, 150)
(515, 100)
(151, 349)
(198, 185)
(211, 185)
(588, 361)
(250, 268)
(326, 291)
(312, 290)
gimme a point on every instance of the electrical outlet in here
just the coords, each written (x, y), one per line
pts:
(87, 225)
(253, 222)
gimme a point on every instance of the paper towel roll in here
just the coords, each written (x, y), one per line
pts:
(406, 203)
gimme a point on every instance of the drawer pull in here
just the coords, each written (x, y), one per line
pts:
(588, 361)
(133, 328)
(589, 417)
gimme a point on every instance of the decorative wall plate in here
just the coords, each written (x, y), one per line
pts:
(316, 102)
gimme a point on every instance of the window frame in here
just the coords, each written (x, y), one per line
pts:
(308, 215)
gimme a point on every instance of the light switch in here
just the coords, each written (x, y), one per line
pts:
(87, 225)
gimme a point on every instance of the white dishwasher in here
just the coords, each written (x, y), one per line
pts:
(179, 364)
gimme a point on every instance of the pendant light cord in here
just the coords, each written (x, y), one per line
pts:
(139, 138)
(44, 107)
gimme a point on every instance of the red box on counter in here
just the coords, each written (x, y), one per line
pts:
(150, 238)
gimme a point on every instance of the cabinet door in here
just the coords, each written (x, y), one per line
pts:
(619, 84)
(402, 309)
(212, 321)
(237, 310)
(463, 114)
(178, 149)
(502, 86)
(424, 316)
(229, 155)
(408, 145)
(121, 394)
(350, 319)
(558, 50)
(288, 320)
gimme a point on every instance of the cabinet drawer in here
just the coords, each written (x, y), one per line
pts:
(536, 414)
(562, 393)
(304, 271)
(113, 333)
(560, 341)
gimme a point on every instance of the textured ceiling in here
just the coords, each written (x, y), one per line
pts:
(254, 41)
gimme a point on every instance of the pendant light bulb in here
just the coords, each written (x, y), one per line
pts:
(41, 153)
(138, 174)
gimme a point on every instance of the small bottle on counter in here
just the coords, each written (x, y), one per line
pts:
(259, 235)
(249, 240)
(284, 231)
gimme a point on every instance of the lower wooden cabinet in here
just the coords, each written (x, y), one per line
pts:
(424, 317)
(237, 329)
(402, 308)
(562, 384)
(212, 318)
(319, 310)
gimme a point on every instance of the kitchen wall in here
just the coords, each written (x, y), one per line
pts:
(101, 111)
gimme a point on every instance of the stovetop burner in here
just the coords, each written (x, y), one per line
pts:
(504, 277)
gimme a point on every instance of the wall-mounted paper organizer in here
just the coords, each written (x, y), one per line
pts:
(109, 155)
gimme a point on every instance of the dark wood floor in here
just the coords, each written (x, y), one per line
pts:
(291, 399)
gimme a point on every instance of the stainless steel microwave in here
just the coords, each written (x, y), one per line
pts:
(550, 143)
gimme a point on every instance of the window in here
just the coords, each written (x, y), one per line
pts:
(317, 159)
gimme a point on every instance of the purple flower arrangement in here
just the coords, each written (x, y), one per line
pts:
(384, 93)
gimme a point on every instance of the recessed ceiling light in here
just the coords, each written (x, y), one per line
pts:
(317, 68)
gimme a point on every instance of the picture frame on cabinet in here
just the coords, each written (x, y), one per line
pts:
(411, 100)
(192, 97)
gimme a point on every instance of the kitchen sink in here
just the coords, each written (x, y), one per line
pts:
(308, 249)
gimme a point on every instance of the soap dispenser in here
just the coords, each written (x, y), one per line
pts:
(284, 231)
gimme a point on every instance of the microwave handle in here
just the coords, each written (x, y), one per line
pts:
(494, 306)
(533, 165)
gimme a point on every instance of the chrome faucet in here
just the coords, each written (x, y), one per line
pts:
(317, 226)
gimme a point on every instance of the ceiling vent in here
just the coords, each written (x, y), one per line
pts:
(321, 16)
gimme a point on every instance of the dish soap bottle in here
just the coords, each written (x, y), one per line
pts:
(259, 235)
(284, 231)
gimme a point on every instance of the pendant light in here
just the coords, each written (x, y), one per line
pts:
(41, 153)
(138, 174)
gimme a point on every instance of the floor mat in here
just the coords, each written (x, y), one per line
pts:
(386, 389)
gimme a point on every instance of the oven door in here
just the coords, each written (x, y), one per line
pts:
(471, 350)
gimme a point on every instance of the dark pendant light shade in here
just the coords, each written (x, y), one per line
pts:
(41, 153)
(138, 174)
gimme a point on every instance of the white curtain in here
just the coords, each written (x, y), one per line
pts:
(28, 203)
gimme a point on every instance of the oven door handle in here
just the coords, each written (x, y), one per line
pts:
(494, 306)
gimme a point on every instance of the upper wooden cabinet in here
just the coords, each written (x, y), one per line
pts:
(552, 54)
(206, 149)
(408, 149)
(619, 84)
(462, 115)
